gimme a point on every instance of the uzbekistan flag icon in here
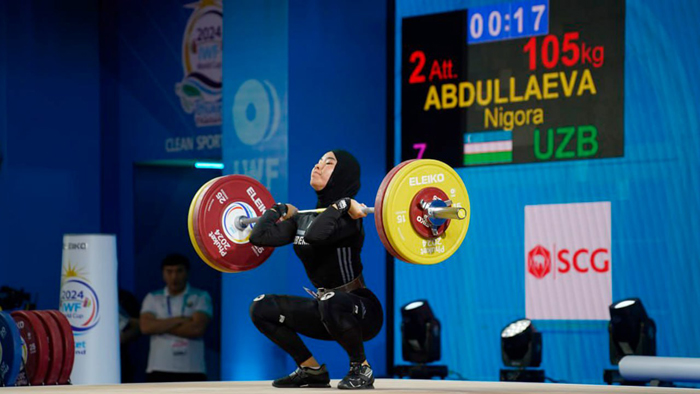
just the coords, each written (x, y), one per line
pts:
(488, 147)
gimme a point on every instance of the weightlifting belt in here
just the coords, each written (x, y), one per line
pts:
(355, 284)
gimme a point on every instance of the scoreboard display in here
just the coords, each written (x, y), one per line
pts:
(520, 82)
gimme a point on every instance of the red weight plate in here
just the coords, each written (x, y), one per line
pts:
(226, 199)
(68, 345)
(378, 202)
(55, 341)
(418, 216)
(36, 346)
(192, 227)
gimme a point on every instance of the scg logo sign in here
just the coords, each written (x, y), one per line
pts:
(539, 261)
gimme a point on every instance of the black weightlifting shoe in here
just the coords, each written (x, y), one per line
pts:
(305, 377)
(360, 377)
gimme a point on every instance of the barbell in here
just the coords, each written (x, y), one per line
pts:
(421, 212)
(434, 213)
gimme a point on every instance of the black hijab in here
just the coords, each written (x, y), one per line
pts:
(344, 181)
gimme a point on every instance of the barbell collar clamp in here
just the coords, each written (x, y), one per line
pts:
(458, 213)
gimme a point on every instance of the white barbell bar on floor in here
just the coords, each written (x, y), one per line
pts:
(669, 369)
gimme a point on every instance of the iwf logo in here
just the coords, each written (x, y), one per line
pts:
(200, 88)
(79, 301)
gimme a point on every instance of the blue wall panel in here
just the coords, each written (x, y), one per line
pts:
(655, 211)
(255, 54)
(50, 177)
(141, 54)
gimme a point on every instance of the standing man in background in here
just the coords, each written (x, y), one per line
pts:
(176, 318)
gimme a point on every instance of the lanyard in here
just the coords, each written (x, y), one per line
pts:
(184, 302)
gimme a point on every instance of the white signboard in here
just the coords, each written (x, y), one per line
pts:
(89, 300)
(568, 261)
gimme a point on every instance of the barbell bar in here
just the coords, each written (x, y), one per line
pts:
(458, 213)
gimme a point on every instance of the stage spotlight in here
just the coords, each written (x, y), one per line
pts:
(420, 342)
(521, 347)
(420, 333)
(631, 331)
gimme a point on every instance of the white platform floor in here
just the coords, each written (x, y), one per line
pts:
(395, 386)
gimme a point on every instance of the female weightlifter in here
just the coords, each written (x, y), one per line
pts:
(329, 245)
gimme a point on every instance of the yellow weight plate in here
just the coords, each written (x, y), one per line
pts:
(408, 181)
(191, 222)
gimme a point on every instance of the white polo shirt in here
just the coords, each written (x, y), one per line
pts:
(170, 353)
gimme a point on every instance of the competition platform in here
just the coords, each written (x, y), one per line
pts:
(398, 386)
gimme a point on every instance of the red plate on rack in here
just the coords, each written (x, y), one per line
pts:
(55, 339)
(68, 346)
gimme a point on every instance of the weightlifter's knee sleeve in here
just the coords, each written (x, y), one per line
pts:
(264, 308)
